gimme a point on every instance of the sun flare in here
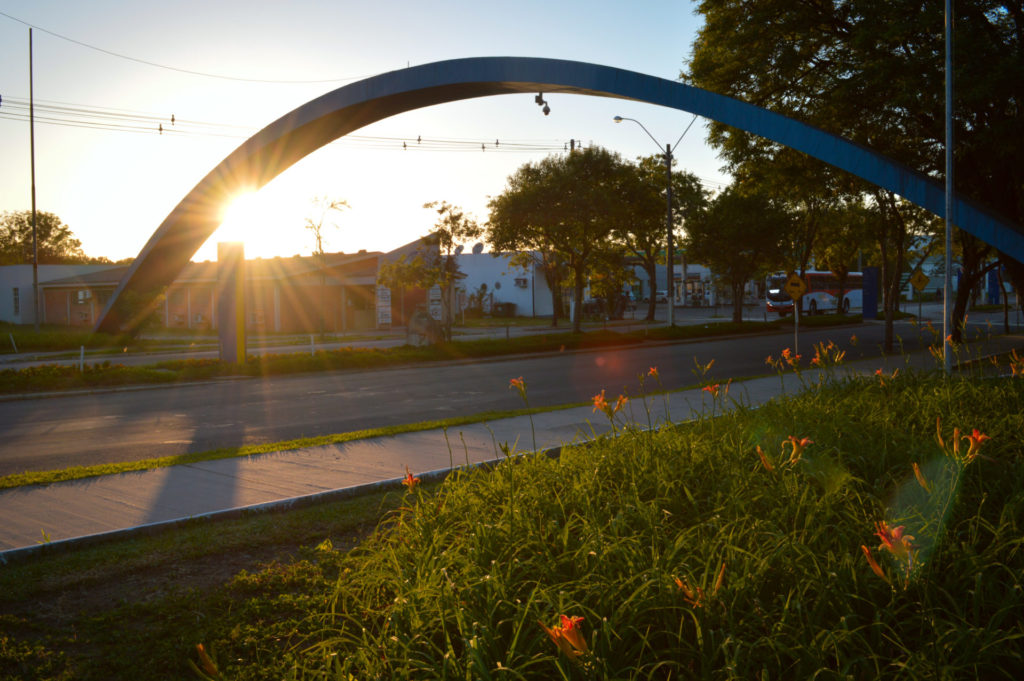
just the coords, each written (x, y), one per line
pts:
(241, 218)
(264, 223)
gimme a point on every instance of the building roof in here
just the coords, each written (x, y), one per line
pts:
(348, 265)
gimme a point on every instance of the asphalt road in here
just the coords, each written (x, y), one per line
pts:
(70, 430)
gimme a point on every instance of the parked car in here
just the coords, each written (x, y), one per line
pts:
(659, 297)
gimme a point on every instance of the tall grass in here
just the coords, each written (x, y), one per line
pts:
(687, 557)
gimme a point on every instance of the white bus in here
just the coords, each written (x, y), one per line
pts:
(822, 294)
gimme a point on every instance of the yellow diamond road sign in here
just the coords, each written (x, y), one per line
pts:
(795, 286)
(919, 280)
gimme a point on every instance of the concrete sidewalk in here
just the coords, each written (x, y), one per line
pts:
(76, 512)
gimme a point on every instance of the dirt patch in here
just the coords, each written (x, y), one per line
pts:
(55, 607)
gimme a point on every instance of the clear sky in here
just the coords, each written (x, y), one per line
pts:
(115, 181)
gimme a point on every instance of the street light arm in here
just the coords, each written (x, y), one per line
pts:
(619, 119)
(684, 131)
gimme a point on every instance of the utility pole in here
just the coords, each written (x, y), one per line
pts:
(32, 153)
(947, 291)
(669, 255)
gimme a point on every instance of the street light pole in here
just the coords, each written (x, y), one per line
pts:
(947, 287)
(669, 253)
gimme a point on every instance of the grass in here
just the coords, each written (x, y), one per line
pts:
(18, 338)
(54, 377)
(684, 555)
(81, 472)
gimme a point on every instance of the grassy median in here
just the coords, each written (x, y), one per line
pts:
(110, 374)
(762, 543)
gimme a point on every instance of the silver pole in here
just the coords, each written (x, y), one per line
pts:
(947, 291)
(32, 153)
(668, 244)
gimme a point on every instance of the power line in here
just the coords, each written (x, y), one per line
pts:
(175, 68)
(121, 120)
(67, 114)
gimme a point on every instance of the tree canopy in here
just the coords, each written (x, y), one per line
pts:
(642, 229)
(741, 236)
(873, 71)
(56, 244)
(435, 263)
(564, 204)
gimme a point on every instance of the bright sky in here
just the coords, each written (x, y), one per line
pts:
(115, 182)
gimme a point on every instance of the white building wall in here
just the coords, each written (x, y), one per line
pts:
(20, 277)
(507, 283)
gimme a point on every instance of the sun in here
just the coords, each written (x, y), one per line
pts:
(261, 221)
(241, 218)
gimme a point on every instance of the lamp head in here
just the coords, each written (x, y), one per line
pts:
(617, 119)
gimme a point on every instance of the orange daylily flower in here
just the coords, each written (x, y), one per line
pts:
(895, 542)
(206, 663)
(764, 460)
(601, 404)
(1016, 363)
(653, 371)
(718, 582)
(920, 478)
(798, 446)
(693, 595)
(976, 438)
(938, 433)
(520, 385)
(875, 567)
(881, 375)
(567, 636)
(713, 389)
(409, 481)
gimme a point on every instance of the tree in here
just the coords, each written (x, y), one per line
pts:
(740, 237)
(609, 277)
(873, 71)
(975, 262)
(435, 263)
(844, 234)
(552, 268)
(894, 229)
(641, 227)
(56, 244)
(315, 223)
(565, 205)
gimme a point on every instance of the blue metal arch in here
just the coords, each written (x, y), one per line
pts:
(335, 114)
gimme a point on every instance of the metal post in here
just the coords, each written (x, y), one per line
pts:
(668, 194)
(32, 153)
(668, 244)
(947, 310)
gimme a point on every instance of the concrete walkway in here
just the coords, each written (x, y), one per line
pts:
(70, 514)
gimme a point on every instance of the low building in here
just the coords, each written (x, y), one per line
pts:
(492, 281)
(302, 294)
